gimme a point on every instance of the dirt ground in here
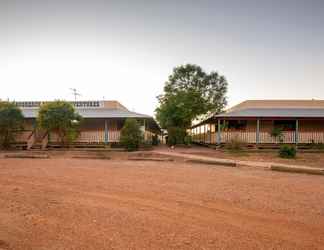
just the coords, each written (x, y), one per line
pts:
(65, 203)
(305, 159)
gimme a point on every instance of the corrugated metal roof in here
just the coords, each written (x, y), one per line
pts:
(278, 112)
(274, 104)
(93, 113)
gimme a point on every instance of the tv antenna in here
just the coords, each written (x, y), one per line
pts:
(75, 93)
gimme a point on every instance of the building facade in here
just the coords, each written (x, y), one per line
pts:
(255, 122)
(101, 125)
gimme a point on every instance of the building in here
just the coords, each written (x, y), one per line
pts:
(101, 125)
(253, 122)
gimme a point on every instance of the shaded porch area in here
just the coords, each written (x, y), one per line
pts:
(259, 130)
(92, 132)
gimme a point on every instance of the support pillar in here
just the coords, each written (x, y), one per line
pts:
(144, 121)
(219, 132)
(258, 132)
(106, 132)
(297, 132)
(208, 133)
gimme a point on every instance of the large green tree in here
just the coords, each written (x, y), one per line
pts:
(179, 108)
(190, 94)
(11, 120)
(59, 117)
(212, 87)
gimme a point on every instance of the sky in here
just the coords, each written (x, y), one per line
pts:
(125, 50)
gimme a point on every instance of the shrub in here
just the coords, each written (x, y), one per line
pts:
(11, 120)
(72, 134)
(176, 135)
(287, 151)
(187, 140)
(277, 133)
(131, 135)
(234, 145)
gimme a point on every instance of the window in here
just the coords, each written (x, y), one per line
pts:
(285, 125)
(237, 124)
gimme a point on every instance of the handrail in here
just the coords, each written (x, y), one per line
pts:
(265, 137)
(31, 134)
(45, 141)
(31, 140)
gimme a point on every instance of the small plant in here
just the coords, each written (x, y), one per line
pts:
(234, 145)
(131, 135)
(277, 133)
(287, 151)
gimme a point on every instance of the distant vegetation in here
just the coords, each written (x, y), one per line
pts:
(189, 94)
(60, 117)
(11, 120)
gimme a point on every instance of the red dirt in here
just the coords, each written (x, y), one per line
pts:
(119, 204)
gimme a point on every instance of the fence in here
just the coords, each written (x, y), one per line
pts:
(264, 137)
(96, 136)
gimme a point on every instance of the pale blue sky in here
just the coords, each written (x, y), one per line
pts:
(126, 50)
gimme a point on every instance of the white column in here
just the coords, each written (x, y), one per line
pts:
(106, 133)
(296, 132)
(258, 132)
(219, 132)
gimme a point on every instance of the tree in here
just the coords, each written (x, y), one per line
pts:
(11, 120)
(189, 94)
(176, 112)
(179, 109)
(131, 135)
(59, 117)
(211, 87)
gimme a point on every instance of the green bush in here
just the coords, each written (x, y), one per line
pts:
(131, 135)
(277, 134)
(11, 120)
(287, 151)
(187, 140)
(234, 145)
(176, 136)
